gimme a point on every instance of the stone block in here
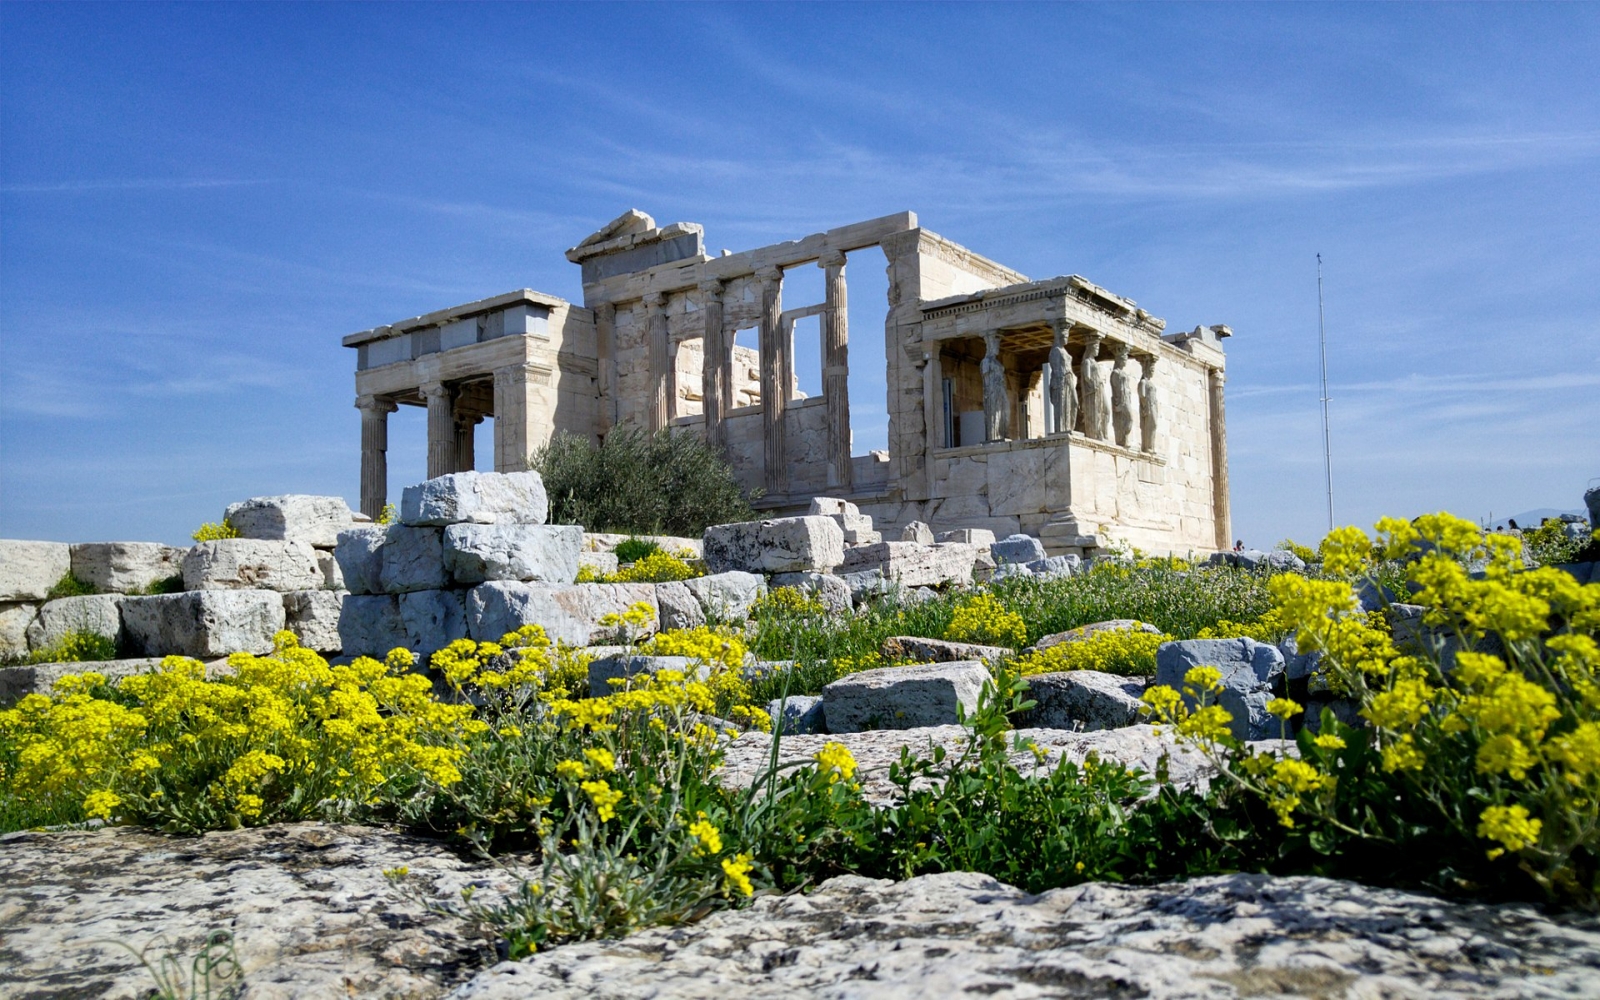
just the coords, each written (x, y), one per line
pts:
(1252, 674)
(251, 564)
(1006, 571)
(1018, 549)
(313, 617)
(40, 678)
(1083, 632)
(799, 714)
(332, 576)
(603, 563)
(679, 607)
(413, 559)
(627, 666)
(1083, 700)
(29, 569)
(913, 564)
(903, 697)
(833, 507)
(569, 613)
(433, 619)
(125, 567)
(1055, 567)
(830, 590)
(866, 585)
(204, 624)
(476, 498)
(602, 541)
(917, 531)
(360, 558)
(14, 622)
(969, 536)
(813, 543)
(727, 596)
(542, 553)
(920, 650)
(294, 517)
(96, 613)
(370, 625)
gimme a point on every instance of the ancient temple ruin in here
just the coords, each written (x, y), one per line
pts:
(1053, 407)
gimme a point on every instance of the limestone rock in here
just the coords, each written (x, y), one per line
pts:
(543, 553)
(125, 567)
(313, 616)
(360, 558)
(903, 697)
(41, 678)
(251, 564)
(603, 563)
(413, 559)
(866, 585)
(1093, 629)
(917, 531)
(626, 666)
(607, 541)
(569, 613)
(1021, 549)
(332, 576)
(779, 545)
(476, 498)
(370, 625)
(832, 591)
(294, 517)
(1251, 672)
(1005, 571)
(14, 622)
(1055, 567)
(913, 564)
(964, 934)
(96, 613)
(29, 569)
(920, 650)
(1084, 700)
(433, 619)
(727, 596)
(310, 910)
(679, 607)
(1280, 561)
(968, 536)
(204, 623)
(797, 714)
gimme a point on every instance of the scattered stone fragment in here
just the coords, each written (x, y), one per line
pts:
(813, 543)
(1252, 672)
(569, 613)
(727, 596)
(251, 564)
(903, 697)
(917, 531)
(14, 622)
(41, 678)
(476, 498)
(919, 650)
(679, 607)
(203, 624)
(626, 666)
(831, 591)
(797, 714)
(294, 517)
(913, 564)
(1084, 700)
(544, 553)
(313, 617)
(1055, 567)
(1005, 571)
(125, 567)
(29, 569)
(1093, 629)
(968, 536)
(98, 614)
(601, 563)
(1021, 549)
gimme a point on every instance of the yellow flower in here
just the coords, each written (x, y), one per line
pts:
(1403, 755)
(710, 840)
(1511, 826)
(1328, 741)
(1345, 551)
(736, 871)
(1284, 708)
(604, 797)
(1207, 680)
(100, 804)
(984, 619)
(601, 760)
(836, 757)
(571, 770)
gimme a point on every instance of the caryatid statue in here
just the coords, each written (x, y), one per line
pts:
(1096, 395)
(1149, 404)
(1063, 386)
(1124, 398)
(996, 405)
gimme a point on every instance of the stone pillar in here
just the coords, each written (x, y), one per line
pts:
(441, 429)
(375, 412)
(1094, 402)
(716, 377)
(1123, 402)
(1030, 388)
(774, 381)
(466, 442)
(605, 334)
(836, 371)
(513, 405)
(1149, 403)
(996, 398)
(1063, 386)
(1219, 461)
(656, 342)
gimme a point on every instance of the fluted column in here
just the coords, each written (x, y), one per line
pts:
(605, 336)
(836, 370)
(375, 412)
(441, 429)
(656, 342)
(716, 391)
(466, 442)
(1220, 508)
(774, 381)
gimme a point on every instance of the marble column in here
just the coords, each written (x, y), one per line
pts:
(1063, 385)
(836, 371)
(996, 400)
(1149, 403)
(774, 381)
(656, 344)
(466, 442)
(375, 412)
(1219, 461)
(441, 429)
(716, 375)
(1123, 396)
(605, 336)
(1030, 388)
(1095, 400)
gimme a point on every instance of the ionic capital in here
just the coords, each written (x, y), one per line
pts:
(376, 404)
(770, 275)
(712, 287)
(655, 301)
(435, 390)
(831, 258)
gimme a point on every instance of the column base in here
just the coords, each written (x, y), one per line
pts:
(1063, 536)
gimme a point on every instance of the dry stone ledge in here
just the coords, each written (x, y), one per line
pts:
(96, 613)
(1251, 672)
(29, 569)
(251, 564)
(603, 563)
(313, 617)
(360, 558)
(857, 527)
(413, 559)
(1020, 549)
(903, 697)
(569, 613)
(968, 536)
(1093, 629)
(476, 498)
(679, 607)
(1086, 700)
(919, 650)
(41, 678)
(810, 544)
(125, 567)
(310, 910)
(294, 517)
(625, 666)
(14, 622)
(913, 564)
(542, 553)
(963, 934)
(203, 623)
(600, 542)
(370, 625)
(727, 596)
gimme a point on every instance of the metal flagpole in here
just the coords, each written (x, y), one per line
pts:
(1322, 340)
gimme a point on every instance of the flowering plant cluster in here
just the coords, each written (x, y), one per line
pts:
(656, 567)
(215, 531)
(1130, 651)
(983, 619)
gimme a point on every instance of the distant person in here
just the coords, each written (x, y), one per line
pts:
(1238, 545)
(1512, 524)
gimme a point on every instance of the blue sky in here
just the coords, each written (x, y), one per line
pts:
(197, 202)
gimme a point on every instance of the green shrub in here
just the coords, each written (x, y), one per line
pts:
(77, 647)
(166, 585)
(634, 548)
(1548, 544)
(69, 586)
(1129, 652)
(671, 484)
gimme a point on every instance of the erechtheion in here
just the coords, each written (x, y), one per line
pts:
(1052, 407)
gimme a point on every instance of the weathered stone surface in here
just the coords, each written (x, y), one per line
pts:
(251, 564)
(603, 563)
(313, 617)
(568, 613)
(727, 596)
(920, 650)
(903, 697)
(607, 541)
(1021, 549)
(626, 666)
(866, 585)
(14, 622)
(433, 619)
(679, 607)
(476, 498)
(332, 575)
(294, 517)
(797, 714)
(832, 591)
(360, 558)
(96, 613)
(543, 553)
(1251, 672)
(917, 531)
(41, 678)
(1093, 629)
(413, 559)
(125, 567)
(309, 908)
(203, 623)
(370, 625)
(29, 569)
(1005, 571)
(1085, 700)
(969, 536)
(964, 934)
(913, 564)
(1055, 567)
(813, 543)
